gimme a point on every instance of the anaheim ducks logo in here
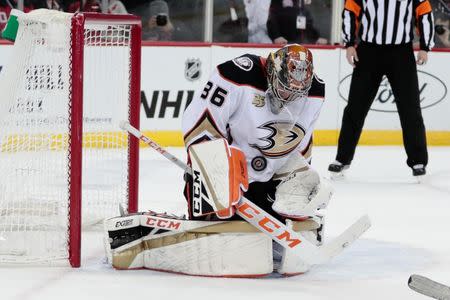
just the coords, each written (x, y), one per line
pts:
(283, 138)
(259, 100)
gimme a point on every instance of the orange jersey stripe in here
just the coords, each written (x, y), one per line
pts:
(423, 9)
(352, 6)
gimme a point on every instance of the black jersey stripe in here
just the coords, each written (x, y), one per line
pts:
(396, 17)
(247, 70)
(385, 20)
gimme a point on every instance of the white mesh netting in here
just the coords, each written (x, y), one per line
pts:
(34, 134)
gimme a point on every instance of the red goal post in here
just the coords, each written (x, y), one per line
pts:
(78, 41)
(64, 162)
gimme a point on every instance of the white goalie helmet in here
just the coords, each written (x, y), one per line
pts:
(289, 75)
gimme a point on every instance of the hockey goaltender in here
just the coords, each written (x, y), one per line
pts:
(255, 204)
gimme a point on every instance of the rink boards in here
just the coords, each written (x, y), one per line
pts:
(173, 74)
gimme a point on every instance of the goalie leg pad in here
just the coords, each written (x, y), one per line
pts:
(211, 254)
(123, 233)
(206, 248)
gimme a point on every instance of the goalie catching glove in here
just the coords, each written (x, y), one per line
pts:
(301, 192)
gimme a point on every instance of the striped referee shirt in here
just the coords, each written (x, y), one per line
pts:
(388, 22)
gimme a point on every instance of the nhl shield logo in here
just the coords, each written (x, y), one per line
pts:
(192, 69)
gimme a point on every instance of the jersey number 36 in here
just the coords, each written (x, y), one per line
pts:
(217, 97)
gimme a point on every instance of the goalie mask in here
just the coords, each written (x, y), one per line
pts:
(289, 75)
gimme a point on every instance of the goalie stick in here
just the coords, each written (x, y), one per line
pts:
(428, 287)
(267, 224)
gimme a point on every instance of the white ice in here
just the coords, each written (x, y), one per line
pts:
(409, 234)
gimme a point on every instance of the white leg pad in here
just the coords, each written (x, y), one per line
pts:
(224, 254)
(207, 248)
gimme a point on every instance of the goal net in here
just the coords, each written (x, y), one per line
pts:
(64, 162)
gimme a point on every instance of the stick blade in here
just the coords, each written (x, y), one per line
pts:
(345, 239)
(428, 287)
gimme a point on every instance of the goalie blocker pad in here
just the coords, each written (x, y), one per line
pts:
(219, 174)
(206, 248)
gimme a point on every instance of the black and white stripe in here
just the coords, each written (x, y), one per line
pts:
(386, 22)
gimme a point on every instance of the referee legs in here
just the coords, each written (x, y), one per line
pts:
(366, 79)
(402, 75)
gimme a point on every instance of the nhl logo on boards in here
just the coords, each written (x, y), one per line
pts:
(259, 100)
(243, 63)
(192, 70)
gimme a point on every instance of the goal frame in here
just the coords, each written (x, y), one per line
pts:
(76, 115)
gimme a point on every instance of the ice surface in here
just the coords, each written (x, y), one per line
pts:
(409, 234)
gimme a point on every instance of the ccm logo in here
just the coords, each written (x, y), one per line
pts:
(197, 194)
(161, 223)
(124, 223)
(268, 225)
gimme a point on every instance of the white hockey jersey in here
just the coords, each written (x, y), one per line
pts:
(233, 105)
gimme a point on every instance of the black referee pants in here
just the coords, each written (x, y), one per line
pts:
(397, 62)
